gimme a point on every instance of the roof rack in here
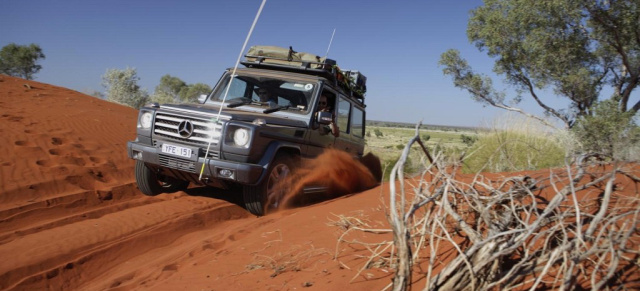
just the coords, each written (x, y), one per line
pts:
(282, 59)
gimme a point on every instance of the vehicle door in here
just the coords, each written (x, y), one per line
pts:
(357, 128)
(345, 141)
(319, 138)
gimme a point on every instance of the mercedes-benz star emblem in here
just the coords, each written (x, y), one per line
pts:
(185, 128)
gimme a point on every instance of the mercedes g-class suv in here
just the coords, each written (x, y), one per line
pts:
(236, 137)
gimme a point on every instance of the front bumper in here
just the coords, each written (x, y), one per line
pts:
(243, 173)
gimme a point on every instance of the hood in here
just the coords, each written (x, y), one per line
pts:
(211, 111)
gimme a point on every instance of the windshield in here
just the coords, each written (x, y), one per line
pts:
(265, 91)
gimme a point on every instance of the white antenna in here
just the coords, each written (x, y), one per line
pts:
(330, 41)
(233, 75)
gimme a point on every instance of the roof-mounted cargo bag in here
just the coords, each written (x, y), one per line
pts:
(288, 57)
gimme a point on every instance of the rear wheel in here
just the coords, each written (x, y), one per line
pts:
(372, 162)
(266, 195)
(152, 184)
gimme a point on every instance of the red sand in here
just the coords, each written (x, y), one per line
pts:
(71, 217)
(336, 170)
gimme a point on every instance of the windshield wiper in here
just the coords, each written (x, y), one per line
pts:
(271, 110)
(247, 101)
(244, 101)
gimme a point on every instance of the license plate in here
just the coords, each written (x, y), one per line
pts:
(176, 150)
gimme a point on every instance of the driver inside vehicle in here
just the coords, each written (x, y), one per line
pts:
(266, 96)
(325, 106)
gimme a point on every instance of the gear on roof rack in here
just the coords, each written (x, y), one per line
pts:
(280, 58)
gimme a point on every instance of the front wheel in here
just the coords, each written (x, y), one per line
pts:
(152, 184)
(267, 194)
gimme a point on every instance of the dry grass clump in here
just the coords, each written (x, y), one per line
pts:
(294, 259)
(515, 144)
(360, 224)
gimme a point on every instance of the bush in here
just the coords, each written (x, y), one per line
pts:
(609, 132)
(468, 140)
(378, 133)
(409, 166)
(122, 87)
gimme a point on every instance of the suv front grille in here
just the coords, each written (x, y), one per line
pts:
(177, 163)
(204, 131)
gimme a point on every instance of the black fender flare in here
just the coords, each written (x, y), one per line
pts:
(273, 149)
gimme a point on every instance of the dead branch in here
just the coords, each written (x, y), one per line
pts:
(516, 233)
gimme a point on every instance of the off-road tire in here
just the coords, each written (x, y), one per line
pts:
(151, 184)
(256, 197)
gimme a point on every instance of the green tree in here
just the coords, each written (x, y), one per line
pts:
(122, 87)
(168, 90)
(20, 60)
(609, 132)
(162, 97)
(190, 93)
(569, 47)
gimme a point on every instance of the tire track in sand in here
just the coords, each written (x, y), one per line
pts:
(84, 249)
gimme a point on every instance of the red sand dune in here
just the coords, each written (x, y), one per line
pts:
(72, 218)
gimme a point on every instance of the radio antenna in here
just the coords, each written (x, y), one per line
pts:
(233, 74)
(330, 41)
(226, 92)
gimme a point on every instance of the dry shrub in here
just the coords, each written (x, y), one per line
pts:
(570, 229)
(352, 225)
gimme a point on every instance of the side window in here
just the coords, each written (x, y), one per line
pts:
(344, 110)
(357, 122)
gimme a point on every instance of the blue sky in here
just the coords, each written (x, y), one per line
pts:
(396, 44)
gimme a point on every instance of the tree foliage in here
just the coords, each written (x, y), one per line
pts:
(190, 93)
(568, 47)
(168, 90)
(122, 87)
(174, 90)
(20, 60)
(162, 97)
(609, 132)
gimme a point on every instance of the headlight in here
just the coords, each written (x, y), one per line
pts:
(145, 119)
(241, 137)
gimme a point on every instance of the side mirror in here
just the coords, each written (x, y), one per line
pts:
(324, 117)
(202, 98)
